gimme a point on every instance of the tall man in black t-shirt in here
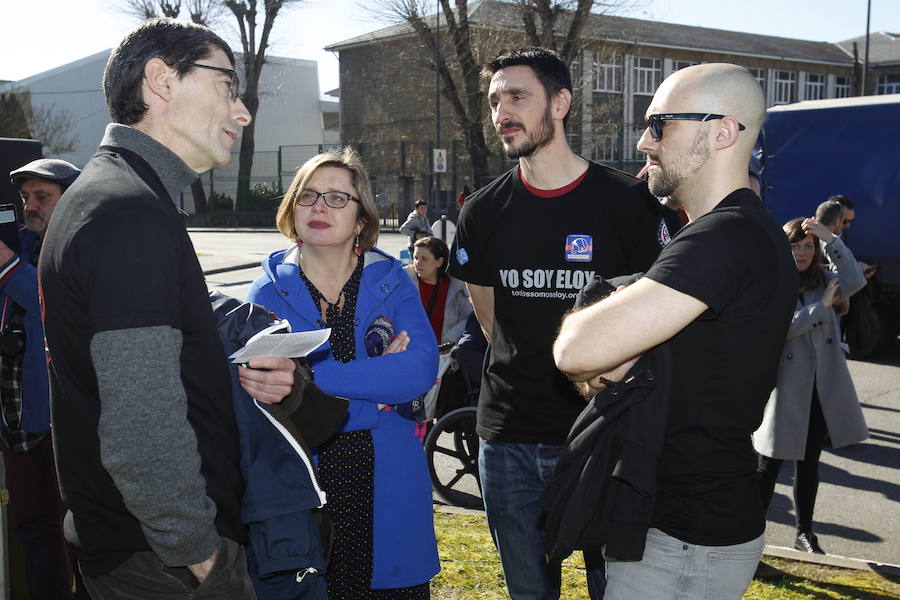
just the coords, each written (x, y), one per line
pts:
(526, 244)
(722, 293)
(143, 422)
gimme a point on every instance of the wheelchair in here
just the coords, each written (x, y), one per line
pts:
(451, 446)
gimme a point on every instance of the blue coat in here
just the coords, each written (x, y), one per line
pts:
(284, 551)
(19, 284)
(404, 545)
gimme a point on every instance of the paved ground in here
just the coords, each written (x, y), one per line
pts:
(858, 510)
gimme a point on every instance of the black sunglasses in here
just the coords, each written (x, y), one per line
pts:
(655, 122)
(234, 88)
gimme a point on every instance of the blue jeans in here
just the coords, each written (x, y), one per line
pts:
(513, 477)
(674, 569)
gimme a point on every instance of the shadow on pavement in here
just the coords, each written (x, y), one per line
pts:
(889, 573)
(890, 357)
(884, 436)
(873, 407)
(847, 533)
(836, 476)
(872, 454)
(781, 512)
(816, 590)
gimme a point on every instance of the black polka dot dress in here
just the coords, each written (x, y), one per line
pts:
(347, 472)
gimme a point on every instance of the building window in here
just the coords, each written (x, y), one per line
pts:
(889, 83)
(647, 73)
(841, 87)
(677, 65)
(814, 87)
(608, 74)
(785, 87)
(606, 147)
(760, 76)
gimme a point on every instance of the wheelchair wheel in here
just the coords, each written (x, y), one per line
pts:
(451, 450)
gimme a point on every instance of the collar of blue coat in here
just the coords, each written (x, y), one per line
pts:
(380, 269)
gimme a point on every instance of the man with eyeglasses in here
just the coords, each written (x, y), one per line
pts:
(143, 422)
(721, 295)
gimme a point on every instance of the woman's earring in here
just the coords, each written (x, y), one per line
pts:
(356, 249)
(299, 243)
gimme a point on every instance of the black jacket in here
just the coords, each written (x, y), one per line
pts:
(603, 489)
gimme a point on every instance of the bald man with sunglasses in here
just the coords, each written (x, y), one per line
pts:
(721, 294)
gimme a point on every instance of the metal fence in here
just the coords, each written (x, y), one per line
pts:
(401, 172)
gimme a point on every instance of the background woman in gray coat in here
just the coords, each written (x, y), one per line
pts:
(814, 399)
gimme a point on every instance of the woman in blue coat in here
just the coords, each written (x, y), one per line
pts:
(373, 471)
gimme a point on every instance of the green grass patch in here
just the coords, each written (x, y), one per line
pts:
(470, 570)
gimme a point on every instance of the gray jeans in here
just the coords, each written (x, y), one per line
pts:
(675, 569)
(144, 577)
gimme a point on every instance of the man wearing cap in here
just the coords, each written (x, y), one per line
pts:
(143, 422)
(34, 500)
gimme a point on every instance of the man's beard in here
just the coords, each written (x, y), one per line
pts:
(665, 179)
(35, 223)
(542, 136)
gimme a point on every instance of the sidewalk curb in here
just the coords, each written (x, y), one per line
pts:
(830, 560)
(843, 562)
(239, 267)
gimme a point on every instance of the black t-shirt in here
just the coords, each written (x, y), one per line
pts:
(537, 253)
(737, 260)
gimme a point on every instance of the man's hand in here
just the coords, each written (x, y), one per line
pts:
(269, 378)
(597, 384)
(5, 253)
(201, 570)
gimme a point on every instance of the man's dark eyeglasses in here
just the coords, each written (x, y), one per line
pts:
(234, 88)
(655, 122)
(309, 197)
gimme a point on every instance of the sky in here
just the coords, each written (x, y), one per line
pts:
(37, 35)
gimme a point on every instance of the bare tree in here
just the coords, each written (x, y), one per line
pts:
(555, 24)
(254, 36)
(255, 43)
(50, 125)
(541, 19)
(53, 127)
(463, 91)
(13, 123)
(149, 9)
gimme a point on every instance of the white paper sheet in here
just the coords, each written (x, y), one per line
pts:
(289, 345)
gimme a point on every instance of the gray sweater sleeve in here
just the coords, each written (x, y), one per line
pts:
(147, 445)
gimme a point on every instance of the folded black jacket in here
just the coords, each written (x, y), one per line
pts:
(604, 486)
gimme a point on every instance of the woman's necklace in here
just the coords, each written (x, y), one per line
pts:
(329, 310)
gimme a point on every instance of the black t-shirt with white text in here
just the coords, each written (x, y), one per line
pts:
(536, 253)
(737, 261)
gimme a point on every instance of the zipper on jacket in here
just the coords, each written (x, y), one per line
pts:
(307, 461)
(304, 572)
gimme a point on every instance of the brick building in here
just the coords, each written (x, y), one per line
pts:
(387, 86)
